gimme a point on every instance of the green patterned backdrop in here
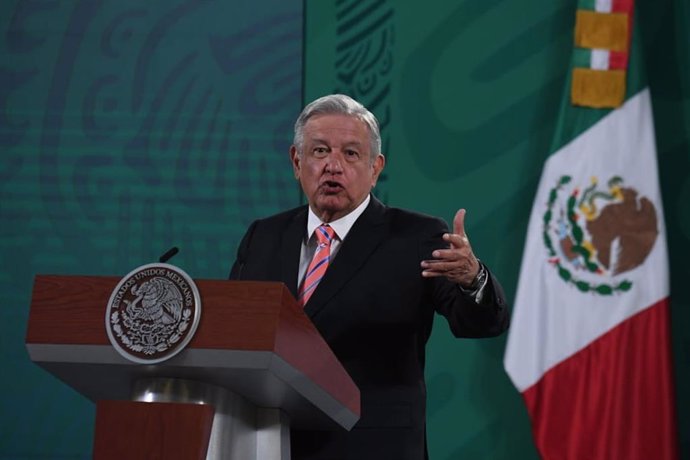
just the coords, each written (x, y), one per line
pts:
(128, 127)
(468, 93)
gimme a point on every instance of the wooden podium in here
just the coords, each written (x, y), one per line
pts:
(255, 367)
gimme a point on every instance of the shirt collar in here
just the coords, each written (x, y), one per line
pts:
(341, 226)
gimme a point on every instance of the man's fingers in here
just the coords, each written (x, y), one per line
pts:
(447, 254)
(439, 265)
(461, 272)
(459, 222)
(436, 269)
(456, 240)
(446, 263)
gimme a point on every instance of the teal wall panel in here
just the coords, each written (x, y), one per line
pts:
(128, 127)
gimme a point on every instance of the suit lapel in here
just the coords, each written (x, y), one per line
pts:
(364, 236)
(290, 249)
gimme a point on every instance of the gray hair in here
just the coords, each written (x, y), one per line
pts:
(339, 104)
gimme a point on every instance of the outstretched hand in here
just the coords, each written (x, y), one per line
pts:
(457, 263)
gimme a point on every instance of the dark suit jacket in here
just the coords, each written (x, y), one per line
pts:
(375, 311)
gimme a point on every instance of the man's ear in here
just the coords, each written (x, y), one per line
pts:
(379, 163)
(295, 159)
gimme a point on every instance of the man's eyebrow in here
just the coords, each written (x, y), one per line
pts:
(316, 140)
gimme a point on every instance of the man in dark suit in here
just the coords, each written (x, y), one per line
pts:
(370, 278)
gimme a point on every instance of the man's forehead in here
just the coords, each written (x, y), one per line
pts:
(347, 126)
(336, 119)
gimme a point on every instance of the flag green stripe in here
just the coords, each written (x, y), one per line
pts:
(582, 57)
(586, 4)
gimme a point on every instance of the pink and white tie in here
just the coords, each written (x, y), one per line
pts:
(318, 265)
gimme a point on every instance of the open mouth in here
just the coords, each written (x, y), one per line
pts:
(330, 186)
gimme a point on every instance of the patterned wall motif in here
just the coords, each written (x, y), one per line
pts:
(364, 63)
(128, 127)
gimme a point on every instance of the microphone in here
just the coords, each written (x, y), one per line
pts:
(168, 255)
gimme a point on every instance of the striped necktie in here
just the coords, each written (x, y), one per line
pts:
(318, 265)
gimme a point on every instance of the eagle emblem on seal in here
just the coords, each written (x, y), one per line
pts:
(595, 234)
(153, 313)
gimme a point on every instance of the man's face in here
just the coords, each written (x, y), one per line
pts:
(335, 167)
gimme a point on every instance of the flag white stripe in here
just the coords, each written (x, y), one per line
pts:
(603, 6)
(599, 59)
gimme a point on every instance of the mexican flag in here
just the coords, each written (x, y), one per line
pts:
(589, 346)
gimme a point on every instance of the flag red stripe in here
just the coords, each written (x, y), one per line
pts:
(622, 6)
(613, 399)
(618, 60)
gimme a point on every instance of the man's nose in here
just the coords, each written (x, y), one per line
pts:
(334, 163)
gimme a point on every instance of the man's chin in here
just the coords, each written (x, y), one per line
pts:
(332, 206)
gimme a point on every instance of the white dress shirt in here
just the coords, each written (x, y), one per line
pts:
(341, 227)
